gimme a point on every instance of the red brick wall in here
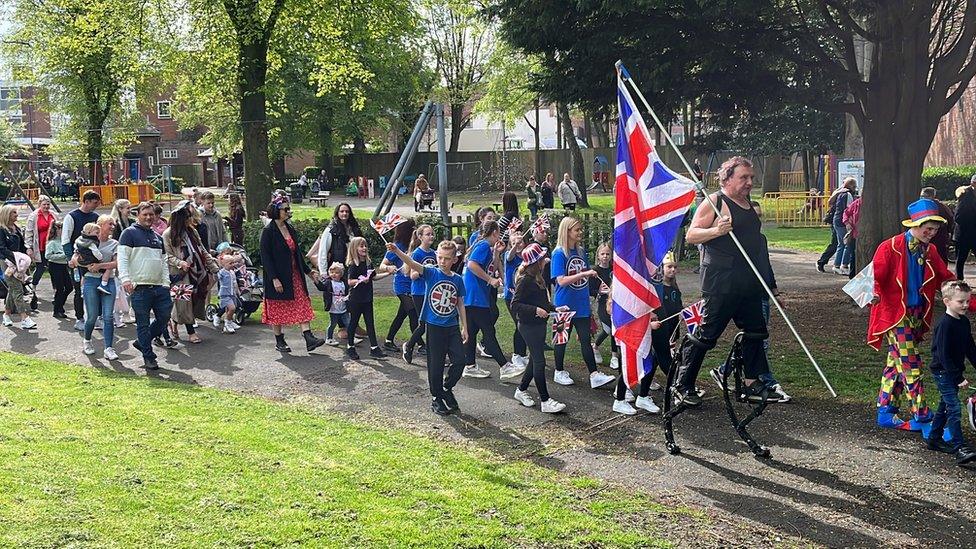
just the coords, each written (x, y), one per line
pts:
(955, 140)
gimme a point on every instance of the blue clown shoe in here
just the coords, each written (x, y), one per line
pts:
(921, 421)
(888, 418)
(927, 431)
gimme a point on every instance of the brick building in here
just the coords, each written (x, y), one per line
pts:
(955, 140)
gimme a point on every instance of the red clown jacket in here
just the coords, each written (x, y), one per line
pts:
(891, 259)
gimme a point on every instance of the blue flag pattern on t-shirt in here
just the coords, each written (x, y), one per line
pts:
(401, 282)
(576, 295)
(512, 262)
(478, 294)
(443, 293)
(427, 259)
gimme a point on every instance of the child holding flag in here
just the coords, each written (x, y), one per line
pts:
(424, 254)
(444, 313)
(360, 276)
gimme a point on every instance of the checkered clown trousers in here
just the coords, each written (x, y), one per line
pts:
(903, 366)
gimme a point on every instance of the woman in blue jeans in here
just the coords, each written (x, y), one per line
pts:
(842, 261)
(100, 300)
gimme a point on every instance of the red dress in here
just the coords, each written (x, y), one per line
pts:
(290, 311)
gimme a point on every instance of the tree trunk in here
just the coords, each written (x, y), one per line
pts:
(325, 145)
(458, 123)
(600, 137)
(94, 146)
(587, 131)
(252, 73)
(577, 170)
(535, 131)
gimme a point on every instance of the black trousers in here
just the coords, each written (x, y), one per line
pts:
(479, 320)
(416, 338)
(364, 310)
(582, 326)
(61, 280)
(443, 341)
(645, 386)
(406, 310)
(518, 341)
(535, 339)
(963, 247)
(79, 301)
(717, 311)
(604, 318)
(830, 250)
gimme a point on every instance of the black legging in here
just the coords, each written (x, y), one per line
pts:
(518, 341)
(61, 280)
(604, 318)
(417, 336)
(479, 319)
(535, 339)
(39, 269)
(364, 310)
(963, 248)
(582, 326)
(406, 310)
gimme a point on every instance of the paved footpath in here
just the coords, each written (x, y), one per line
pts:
(833, 480)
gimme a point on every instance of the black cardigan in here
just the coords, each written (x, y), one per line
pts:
(276, 261)
(529, 296)
(11, 242)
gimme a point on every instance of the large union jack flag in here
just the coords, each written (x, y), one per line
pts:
(651, 201)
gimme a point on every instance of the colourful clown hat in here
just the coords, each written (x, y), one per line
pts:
(532, 253)
(922, 210)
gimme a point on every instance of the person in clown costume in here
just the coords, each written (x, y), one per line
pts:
(907, 273)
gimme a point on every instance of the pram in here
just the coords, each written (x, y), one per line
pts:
(427, 199)
(251, 286)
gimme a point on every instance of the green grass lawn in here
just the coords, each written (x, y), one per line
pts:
(807, 239)
(90, 458)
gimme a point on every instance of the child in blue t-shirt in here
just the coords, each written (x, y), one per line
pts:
(513, 258)
(444, 313)
(572, 271)
(424, 254)
(402, 236)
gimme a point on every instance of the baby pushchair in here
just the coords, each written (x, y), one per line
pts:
(427, 199)
(251, 287)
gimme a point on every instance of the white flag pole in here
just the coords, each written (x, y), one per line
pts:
(625, 76)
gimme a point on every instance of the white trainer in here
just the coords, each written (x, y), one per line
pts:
(482, 351)
(614, 363)
(7, 321)
(110, 354)
(524, 398)
(88, 349)
(229, 328)
(28, 323)
(597, 356)
(599, 379)
(623, 407)
(647, 403)
(562, 378)
(475, 371)
(80, 325)
(629, 396)
(552, 406)
(332, 342)
(216, 321)
(510, 371)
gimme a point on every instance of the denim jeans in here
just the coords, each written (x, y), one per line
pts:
(144, 300)
(99, 304)
(949, 415)
(843, 256)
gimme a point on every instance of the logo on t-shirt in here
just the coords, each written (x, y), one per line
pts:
(576, 265)
(429, 262)
(443, 298)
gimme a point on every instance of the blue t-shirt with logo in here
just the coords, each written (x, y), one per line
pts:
(474, 236)
(442, 294)
(401, 282)
(512, 262)
(427, 259)
(577, 295)
(478, 295)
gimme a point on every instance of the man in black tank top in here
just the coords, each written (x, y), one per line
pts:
(730, 289)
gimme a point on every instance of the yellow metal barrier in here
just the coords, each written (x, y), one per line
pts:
(134, 193)
(792, 182)
(795, 209)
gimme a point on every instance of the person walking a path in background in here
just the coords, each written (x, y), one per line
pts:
(965, 233)
(944, 236)
(569, 193)
(548, 189)
(235, 218)
(36, 238)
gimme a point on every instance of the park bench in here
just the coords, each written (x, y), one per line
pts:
(321, 199)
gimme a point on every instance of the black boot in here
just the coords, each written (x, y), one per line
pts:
(964, 454)
(280, 344)
(312, 342)
(439, 407)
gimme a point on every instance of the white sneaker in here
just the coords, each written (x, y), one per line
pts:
(229, 328)
(233, 323)
(216, 321)
(599, 379)
(552, 406)
(88, 348)
(7, 321)
(196, 324)
(110, 354)
(654, 386)
(647, 403)
(562, 378)
(597, 356)
(27, 323)
(783, 397)
(80, 325)
(475, 371)
(481, 351)
(332, 342)
(614, 363)
(845, 270)
(835, 270)
(623, 407)
(629, 396)
(510, 371)
(520, 360)
(524, 398)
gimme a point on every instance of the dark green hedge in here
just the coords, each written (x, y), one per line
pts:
(947, 179)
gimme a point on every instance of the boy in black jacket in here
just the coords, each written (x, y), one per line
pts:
(952, 344)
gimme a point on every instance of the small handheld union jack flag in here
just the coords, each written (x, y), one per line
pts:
(181, 292)
(387, 223)
(541, 222)
(514, 225)
(560, 326)
(692, 314)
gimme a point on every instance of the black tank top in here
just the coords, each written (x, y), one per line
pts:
(724, 270)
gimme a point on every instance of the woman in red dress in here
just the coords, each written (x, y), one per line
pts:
(286, 298)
